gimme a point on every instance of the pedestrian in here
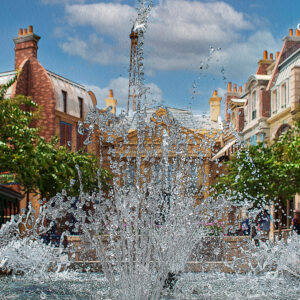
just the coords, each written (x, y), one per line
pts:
(245, 226)
(296, 221)
(264, 224)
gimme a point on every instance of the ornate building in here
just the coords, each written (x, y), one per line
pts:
(269, 104)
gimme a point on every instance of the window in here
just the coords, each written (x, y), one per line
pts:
(156, 174)
(80, 140)
(80, 103)
(262, 137)
(129, 174)
(194, 177)
(253, 105)
(283, 96)
(64, 96)
(282, 129)
(66, 134)
(274, 102)
(253, 140)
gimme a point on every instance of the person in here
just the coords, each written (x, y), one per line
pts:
(264, 224)
(296, 221)
(245, 226)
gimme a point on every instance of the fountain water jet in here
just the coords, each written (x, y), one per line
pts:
(148, 222)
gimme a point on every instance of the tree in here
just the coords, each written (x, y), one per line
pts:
(265, 174)
(40, 166)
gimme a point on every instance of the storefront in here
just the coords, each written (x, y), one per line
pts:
(9, 203)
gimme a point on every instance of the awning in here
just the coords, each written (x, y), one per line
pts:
(239, 101)
(223, 150)
(9, 193)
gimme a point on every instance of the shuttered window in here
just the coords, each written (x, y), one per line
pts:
(80, 140)
(66, 134)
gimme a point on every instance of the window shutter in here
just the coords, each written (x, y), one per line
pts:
(62, 134)
(80, 140)
(66, 135)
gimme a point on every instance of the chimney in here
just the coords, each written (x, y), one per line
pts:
(110, 101)
(291, 32)
(26, 45)
(235, 88)
(297, 32)
(271, 56)
(215, 106)
(277, 54)
(230, 94)
(264, 63)
(240, 89)
(229, 84)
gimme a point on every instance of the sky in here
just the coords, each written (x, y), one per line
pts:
(192, 47)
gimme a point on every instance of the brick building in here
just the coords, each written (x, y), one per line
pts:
(63, 103)
(270, 102)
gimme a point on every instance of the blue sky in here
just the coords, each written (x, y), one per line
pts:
(87, 42)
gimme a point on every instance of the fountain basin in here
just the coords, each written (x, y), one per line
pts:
(215, 285)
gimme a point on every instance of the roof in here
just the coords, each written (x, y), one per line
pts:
(241, 100)
(262, 77)
(285, 69)
(223, 150)
(5, 78)
(185, 118)
(257, 77)
(10, 193)
(74, 91)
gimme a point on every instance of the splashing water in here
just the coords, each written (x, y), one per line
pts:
(157, 215)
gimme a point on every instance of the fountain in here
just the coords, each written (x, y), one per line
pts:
(149, 227)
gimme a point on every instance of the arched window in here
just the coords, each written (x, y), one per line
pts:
(282, 129)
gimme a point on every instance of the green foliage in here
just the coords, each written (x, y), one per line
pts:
(40, 166)
(265, 173)
(58, 168)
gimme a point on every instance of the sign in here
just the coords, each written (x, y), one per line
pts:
(7, 178)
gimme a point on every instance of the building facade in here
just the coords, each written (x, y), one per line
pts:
(270, 102)
(63, 103)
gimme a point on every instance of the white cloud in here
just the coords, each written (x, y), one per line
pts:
(240, 58)
(179, 35)
(95, 49)
(120, 89)
(111, 19)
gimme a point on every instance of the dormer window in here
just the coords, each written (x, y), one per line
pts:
(64, 96)
(80, 103)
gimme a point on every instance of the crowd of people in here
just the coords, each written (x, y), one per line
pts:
(260, 227)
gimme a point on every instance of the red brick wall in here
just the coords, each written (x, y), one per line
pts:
(262, 67)
(22, 86)
(290, 47)
(228, 97)
(25, 50)
(264, 103)
(35, 82)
